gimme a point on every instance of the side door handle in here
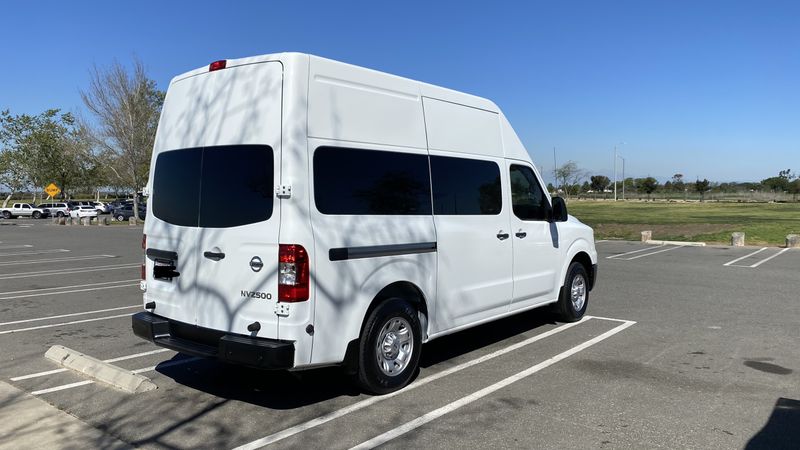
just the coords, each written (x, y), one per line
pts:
(502, 236)
(520, 234)
(214, 255)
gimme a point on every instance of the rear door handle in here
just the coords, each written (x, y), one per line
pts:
(214, 255)
(520, 234)
(502, 236)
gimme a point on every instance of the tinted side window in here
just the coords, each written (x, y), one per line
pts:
(176, 186)
(527, 198)
(354, 182)
(237, 185)
(465, 186)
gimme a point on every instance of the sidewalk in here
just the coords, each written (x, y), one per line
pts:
(27, 422)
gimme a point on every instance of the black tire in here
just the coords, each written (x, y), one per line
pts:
(121, 218)
(371, 376)
(567, 310)
(59, 214)
(37, 215)
(7, 215)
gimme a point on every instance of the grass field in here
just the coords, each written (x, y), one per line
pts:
(762, 223)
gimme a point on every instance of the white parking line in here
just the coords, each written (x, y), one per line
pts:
(61, 316)
(768, 258)
(9, 276)
(120, 358)
(634, 251)
(299, 428)
(9, 247)
(450, 407)
(745, 256)
(653, 253)
(52, 260)
(53, 325)
(68, 289)
(38, 252)
(61, 388)
(137, 371)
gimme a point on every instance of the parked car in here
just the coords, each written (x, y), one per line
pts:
(59, 209)
(102, 207)
(311, 232)
(83, 211)
(24, 210)
(126, 211)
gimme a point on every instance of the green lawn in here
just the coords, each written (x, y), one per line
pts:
(762, 223)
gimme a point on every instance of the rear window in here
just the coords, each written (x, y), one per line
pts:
(351, 181)
(214, 187)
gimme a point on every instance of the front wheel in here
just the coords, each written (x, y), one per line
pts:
(37, 215)
(59, 214)
(120, 218)
(574, 297)
(390, 347)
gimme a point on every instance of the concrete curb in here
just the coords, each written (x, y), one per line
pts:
(99, 370)
(684, 243)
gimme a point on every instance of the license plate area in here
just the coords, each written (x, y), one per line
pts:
(164, 269)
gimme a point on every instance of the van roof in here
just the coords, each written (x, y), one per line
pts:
(427, 89)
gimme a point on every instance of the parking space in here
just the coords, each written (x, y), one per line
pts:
(681, 350)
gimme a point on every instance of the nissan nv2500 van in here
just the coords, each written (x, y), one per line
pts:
(305, 212)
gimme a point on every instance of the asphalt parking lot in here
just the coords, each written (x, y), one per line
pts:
(686, 347)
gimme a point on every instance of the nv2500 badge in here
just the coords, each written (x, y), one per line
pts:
(256, 294)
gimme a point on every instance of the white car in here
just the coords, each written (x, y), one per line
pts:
(83, 211)
(365, 214)
(102, 207)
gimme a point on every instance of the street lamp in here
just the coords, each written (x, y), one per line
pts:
(615, 172)
(623, 177)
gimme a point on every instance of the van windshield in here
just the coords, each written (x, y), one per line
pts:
(214, 187)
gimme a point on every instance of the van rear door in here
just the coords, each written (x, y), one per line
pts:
(216, 164)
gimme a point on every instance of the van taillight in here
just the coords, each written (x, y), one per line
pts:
(292, 273)
(217, 65)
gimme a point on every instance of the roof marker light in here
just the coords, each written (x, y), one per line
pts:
(217, 65)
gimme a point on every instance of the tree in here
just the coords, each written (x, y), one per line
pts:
(568, 176)
(648, 185)
(45, 148)
(127, 107)
(599, 183)
(677, 182)
(780, 183)
(701, 187)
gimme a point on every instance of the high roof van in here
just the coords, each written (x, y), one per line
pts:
(307, 212)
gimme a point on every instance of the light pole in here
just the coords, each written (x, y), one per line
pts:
(623, 177)
(615, 172)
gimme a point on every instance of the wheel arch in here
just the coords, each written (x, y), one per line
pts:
(581, 252)
(404, 289)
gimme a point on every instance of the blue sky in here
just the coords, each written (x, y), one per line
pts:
(709, 89)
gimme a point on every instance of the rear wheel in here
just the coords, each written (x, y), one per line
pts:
(389, 348)
(121, 218)
(7, 215)
(574, 296)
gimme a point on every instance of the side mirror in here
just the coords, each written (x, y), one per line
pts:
(559, 210)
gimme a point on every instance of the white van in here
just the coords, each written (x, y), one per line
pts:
(307, 212)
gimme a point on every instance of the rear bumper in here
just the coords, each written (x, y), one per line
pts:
(249, 351)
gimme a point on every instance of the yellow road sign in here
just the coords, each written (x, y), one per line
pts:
(52, 190)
